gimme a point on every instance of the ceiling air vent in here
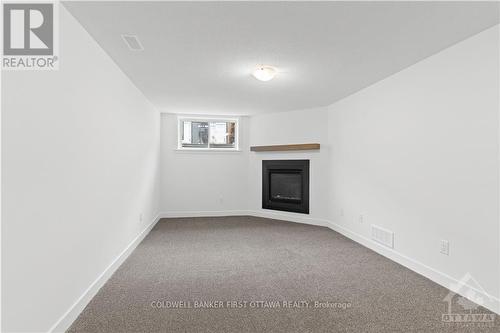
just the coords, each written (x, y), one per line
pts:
(132, 42)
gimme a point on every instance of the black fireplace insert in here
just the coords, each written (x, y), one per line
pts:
(285, 185)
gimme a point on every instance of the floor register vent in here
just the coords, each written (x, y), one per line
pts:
(383, 236)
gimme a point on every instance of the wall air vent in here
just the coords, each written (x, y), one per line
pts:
(133, 42)
(383, 236)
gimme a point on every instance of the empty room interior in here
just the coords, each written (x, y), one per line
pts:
(250, 166)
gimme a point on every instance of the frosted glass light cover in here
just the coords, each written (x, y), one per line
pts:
(264, 73)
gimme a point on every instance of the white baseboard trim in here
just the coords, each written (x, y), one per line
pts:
(290, 217)
(490, 302)
(69, 316)
(208, 213)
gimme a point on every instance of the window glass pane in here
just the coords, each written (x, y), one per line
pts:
(194, 134)
(222, 134)
(207, 133)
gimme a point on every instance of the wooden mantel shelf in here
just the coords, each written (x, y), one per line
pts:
(302, 146)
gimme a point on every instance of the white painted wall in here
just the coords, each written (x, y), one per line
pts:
(80, 162)
(417, 153)
(302, 126)
(198, 183)
(202, 183)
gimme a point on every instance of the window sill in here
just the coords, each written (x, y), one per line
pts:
(207, 150)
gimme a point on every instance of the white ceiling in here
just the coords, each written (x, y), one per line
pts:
(197, 57)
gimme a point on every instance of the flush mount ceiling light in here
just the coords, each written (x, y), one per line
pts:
(264, 73)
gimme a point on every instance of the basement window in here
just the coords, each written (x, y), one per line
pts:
(208, 134)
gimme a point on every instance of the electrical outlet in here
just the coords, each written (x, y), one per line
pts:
(361, 218)
(445, 247)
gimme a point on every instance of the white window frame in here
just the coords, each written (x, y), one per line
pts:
(181, 119)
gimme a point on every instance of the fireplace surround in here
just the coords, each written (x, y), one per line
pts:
(285, 185)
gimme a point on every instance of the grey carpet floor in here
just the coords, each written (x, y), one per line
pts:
(256, 260)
